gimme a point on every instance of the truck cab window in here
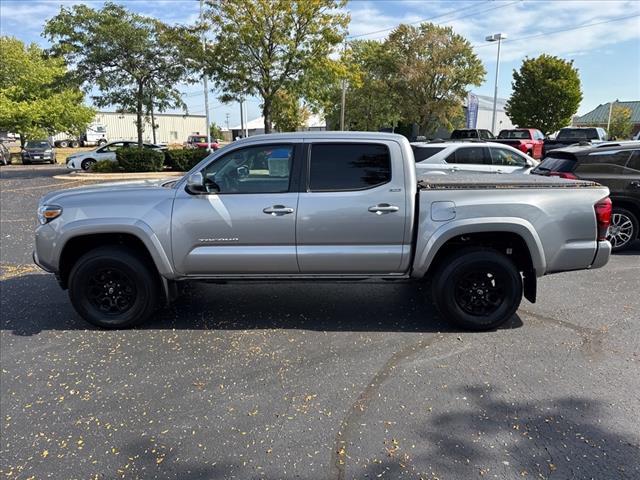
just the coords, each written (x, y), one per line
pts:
(259, 169)
(339, 167)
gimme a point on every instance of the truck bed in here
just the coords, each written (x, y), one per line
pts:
(482, 181)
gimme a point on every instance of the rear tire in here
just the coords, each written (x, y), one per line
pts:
(623, 229)
(111, 287)
(63, 144)
(75, 144)
(87, 164)
(477, 289)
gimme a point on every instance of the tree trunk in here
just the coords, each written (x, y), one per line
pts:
(139, 114)
(266, 113)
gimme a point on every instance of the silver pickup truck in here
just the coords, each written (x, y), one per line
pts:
(326, 205)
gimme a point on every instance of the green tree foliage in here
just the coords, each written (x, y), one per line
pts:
(264, 46)
(288, 114)
(546, 93)
(134, 61)
(621, 125)
(433, 69)
(35, 101)
(371, 101)
(216, 131)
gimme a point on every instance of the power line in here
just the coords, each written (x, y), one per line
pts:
(553, 32)
(439, 16)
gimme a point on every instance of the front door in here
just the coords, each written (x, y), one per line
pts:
(508, 161)
(352, 209)
(246, 223)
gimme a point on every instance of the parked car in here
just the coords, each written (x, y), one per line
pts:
(483, 157)
(614, 165)
(40, 151)
(84, 160)
(466, 133)
(320, 205)
(527, 140)
(572, 135)
(200, 141)
(5, 155)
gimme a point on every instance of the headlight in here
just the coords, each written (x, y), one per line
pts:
(46, 213)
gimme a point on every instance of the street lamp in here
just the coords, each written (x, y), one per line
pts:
(496, 37)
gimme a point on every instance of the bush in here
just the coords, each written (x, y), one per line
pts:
(140, 160)
(104, 166)
(183, 160)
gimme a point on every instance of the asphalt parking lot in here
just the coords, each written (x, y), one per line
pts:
(314, 381)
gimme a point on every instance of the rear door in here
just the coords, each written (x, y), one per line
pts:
(352, 210)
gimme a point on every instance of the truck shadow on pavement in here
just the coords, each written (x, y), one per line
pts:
(33, 303)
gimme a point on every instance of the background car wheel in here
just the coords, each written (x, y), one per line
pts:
(63, 143)
(102, 142)
(111, 287)
(26, 162)
(623, 229)
(87, 163)
(75, 144)
(477, 289)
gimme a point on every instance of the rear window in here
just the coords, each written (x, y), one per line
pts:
(464, 134)
(555, 164)
(578, 133)
(422, 153)
(603, 162)
(514, 134)
(348, 166)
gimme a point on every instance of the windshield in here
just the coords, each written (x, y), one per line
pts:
(464, 134)
(199, 139)
(515, 134)
(578, 133)
(37, 144)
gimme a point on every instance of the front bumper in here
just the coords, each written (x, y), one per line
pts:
(602, 255)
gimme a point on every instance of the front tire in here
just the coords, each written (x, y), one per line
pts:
(111, 287)
(477, 289)
(623, 229)
(87, 164)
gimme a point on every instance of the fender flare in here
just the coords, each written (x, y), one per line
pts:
(428, 248)
(131, 226)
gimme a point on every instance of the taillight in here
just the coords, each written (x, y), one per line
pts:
(568, 175)
(603, 217)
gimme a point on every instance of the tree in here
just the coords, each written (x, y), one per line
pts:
(134, 61)
(265, 46)
(546, 93)
(621, 125)
(288, 114)
(215, 131)
(371, 102)
(433, 68)
(35, 101)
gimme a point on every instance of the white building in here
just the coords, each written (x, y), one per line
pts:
(170, 127)
(256, 126)
(485, 114)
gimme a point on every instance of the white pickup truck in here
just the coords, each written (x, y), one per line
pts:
(325, 205)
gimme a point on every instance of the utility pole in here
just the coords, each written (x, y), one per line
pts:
(242, 117)
(153, 123)
(246, 119)
(344, 94)
(226, 121)
(609, 121)
(496, 37)
(204, 76)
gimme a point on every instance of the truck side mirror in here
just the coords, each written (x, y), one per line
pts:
(195, 183)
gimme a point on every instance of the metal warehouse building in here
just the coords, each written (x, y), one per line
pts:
(170, 127)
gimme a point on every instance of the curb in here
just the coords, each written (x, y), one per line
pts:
(89, 177)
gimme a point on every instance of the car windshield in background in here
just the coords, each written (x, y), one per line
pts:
(464, 134)
(514, 134)
(37, 144)
(552, 164)
(200, 139)
(577, 133)
(422, 153)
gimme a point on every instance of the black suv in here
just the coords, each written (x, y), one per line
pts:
(467, 133)
(614, 165)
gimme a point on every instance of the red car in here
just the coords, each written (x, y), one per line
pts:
(200, 141)
(527, 140)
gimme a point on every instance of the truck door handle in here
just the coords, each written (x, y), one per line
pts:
(277, 210)
(382, 208)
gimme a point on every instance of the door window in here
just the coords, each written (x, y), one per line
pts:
(611, 162)
(339, 167)
(111, 147)
(259, 169)
(470, 156)
(507, 158)
(633, 166)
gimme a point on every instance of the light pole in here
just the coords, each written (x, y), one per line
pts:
(496, 37)
(206, 87)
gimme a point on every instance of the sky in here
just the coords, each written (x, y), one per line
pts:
(601, 37)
